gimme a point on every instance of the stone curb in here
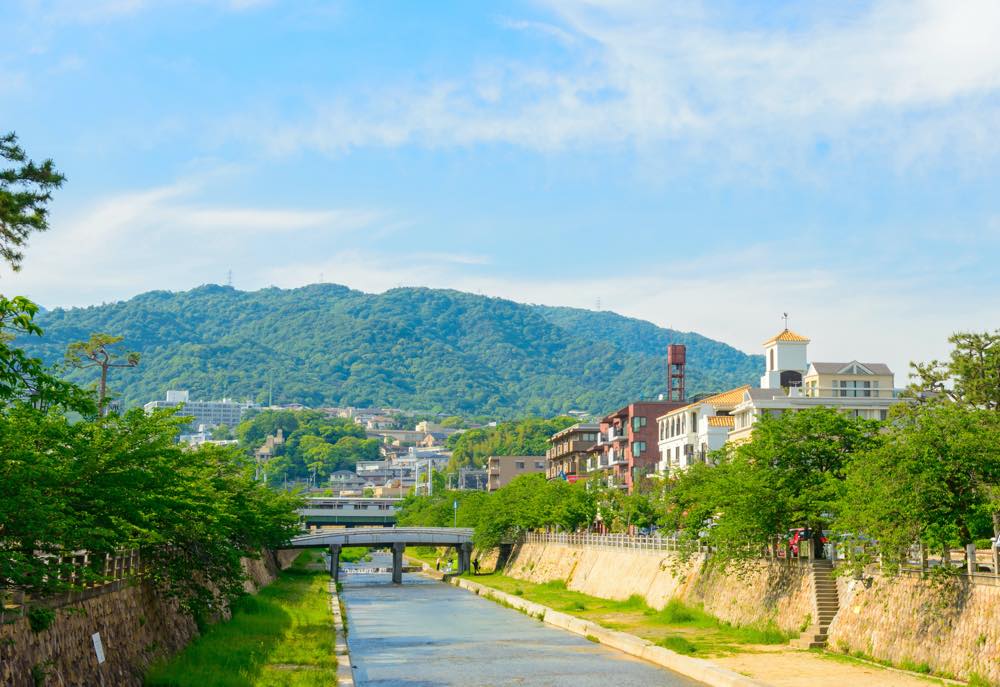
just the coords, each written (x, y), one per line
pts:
(345, 672)
(695, 668)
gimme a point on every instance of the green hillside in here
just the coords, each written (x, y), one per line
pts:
(414, 348)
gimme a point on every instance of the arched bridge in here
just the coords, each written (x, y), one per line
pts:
(398, 538)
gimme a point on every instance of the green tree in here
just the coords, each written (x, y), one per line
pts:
(101, 351)
(970, 377)
(931, 481)
(25, 191)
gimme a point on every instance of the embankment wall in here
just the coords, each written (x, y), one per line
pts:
(770, 591)
(136, 626)
(949, 626)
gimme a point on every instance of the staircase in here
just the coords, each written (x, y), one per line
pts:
(827, 605)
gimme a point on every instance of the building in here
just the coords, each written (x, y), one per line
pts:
(500, 470)
(627, 441)
(689, 433)
(208, 413)
(792, 383)
(568, 451)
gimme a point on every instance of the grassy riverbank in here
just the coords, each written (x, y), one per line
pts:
(678, 627)
(281, 637)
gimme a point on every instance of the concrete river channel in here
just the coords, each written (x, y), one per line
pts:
(424, 633)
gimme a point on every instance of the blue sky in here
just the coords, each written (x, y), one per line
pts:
(705, 166)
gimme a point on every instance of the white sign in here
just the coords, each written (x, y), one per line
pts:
(98, 647)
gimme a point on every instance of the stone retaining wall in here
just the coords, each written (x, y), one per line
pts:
(769, 592)
(949, 626)
(136, 625)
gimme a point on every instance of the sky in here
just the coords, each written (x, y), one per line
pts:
(705, 166)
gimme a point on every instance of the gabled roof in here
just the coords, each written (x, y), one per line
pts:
(844, 368)
(787, 335)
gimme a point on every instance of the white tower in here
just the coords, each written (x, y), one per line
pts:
(785, 360)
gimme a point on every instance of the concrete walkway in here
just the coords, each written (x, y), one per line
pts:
(780, 666)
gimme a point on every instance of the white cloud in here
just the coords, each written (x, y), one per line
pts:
(909, 77)
(163, 238)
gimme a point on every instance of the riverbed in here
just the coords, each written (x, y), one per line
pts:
(423, 633)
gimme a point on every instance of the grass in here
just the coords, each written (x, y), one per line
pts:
(280, 637)
(353, 554)
(681, 628)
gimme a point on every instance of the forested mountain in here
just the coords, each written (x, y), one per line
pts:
(414, 348)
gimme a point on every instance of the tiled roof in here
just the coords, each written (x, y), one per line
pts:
(721, 421)
(724, 400)
(786, 335)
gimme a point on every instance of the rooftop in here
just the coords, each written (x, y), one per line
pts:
(787, 335)
(721, 421)
(723, 400)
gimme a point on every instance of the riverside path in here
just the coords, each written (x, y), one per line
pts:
(425, 633)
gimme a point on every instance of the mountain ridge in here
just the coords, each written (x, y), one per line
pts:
(432, 350)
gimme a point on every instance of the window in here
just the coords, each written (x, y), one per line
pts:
(539, 466)
(772, 360)
(638, 447)
(638, 422)
(883, 415)
(519, 465)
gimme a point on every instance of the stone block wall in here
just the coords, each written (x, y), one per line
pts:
(951, 626)
(137, 626)
(769, 592)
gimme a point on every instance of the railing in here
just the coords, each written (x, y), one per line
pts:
(605, 541)
(81, 574)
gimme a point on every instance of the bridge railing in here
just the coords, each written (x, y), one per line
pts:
(606, 541)
(79, 575)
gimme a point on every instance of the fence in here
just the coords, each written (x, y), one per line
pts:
(81, 575)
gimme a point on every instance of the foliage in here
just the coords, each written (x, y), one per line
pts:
(40, 618)
(529, 502)
(283, 635)
(791, 474)
(527, 437)
(316, 445)
(25, 190)
(120, 482)
(426, 350)
(931, 481)
(971, 376)
(100, 351)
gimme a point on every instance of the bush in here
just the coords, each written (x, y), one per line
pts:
(40, 619)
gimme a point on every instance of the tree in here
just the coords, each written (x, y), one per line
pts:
(970, 377)
(100, 351)
(25, 191)
(930, 481)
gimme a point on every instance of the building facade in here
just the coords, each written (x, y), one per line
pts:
(792, 383)
(500, 470)
(568, 450)
(626, 446)
(690, 433)
(204, 413)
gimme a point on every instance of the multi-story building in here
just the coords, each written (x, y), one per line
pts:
(568, 451)
(500, 470)
(208, 413)
(690, 433)
(791, 383)
(626, 443)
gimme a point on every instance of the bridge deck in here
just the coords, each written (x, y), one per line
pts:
(386, 536)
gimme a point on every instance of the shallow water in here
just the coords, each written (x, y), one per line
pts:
(425, 633)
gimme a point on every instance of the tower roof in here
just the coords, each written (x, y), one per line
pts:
(787, 335)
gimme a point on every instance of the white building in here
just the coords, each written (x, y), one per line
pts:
(208, 413)
(688, 434)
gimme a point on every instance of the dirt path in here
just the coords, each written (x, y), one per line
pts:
(784, 667)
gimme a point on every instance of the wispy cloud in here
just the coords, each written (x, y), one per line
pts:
(910, 79)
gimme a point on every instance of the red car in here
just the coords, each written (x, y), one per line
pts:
(801, 534)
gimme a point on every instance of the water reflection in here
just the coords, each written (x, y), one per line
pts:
(427, 633)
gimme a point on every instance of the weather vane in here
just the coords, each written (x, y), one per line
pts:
(784, 316)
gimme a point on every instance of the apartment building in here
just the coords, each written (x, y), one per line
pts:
(690, 433)
(500, 470)
(568, 450)
(208, 413)
(626, 443)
